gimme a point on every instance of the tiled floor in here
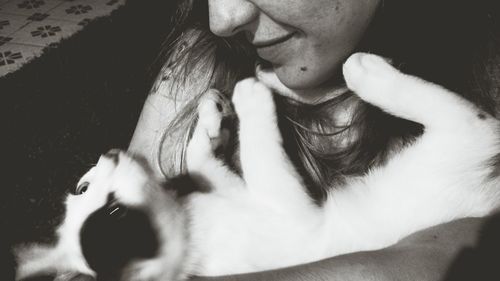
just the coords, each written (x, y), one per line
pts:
(28, 26)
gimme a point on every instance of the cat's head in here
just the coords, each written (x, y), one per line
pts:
(120, 221)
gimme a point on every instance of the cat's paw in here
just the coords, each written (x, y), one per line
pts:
(369, 76)
(377, 82)
(209, 135)
(252, 97)
(212, 108)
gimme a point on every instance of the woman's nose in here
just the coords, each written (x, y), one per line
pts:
(228, 17)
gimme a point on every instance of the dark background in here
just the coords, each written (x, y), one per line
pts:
(62, 110)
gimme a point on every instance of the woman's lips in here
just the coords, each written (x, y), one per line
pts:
(275, 41)
(270, 49)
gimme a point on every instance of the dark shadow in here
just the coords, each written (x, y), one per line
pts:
(481, 262)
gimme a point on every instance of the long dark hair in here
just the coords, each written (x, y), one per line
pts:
(455, 44)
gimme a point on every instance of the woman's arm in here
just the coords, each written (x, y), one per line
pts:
(163, 105)
(158, 111)
(424, 256)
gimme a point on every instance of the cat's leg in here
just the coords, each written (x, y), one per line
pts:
(411, 98)
(207, 137)
(455, 128)
(443, 175)
(267, 170)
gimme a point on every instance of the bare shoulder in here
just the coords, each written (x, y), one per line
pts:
(168, 101)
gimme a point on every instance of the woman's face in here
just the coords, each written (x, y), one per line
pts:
(305, 40)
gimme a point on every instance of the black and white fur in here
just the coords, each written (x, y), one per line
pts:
(266, 220)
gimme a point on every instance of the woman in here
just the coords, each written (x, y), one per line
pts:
(300, 46)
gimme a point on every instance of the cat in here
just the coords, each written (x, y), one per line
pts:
(265, 219)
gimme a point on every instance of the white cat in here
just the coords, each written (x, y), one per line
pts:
(266, 219)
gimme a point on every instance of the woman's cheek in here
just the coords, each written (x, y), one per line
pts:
(325, 43)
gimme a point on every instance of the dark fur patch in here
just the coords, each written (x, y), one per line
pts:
(481, 116)
(110, 240)
(143, 162)
(219, 107)
(114, 155)
(186, 184)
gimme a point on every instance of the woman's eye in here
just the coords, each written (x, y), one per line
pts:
(81, 188)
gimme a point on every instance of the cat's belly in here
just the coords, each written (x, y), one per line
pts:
(238, 235)
(234, 233)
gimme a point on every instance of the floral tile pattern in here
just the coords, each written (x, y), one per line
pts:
(11, 23)
(8, 57)
(4, 40)
(28, 7)
(29, 26)
(12, 56)
(43, 33)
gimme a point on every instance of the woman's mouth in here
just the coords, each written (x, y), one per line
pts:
(272, 42)
(271, 49)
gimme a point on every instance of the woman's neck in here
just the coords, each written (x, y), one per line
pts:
(312, 96)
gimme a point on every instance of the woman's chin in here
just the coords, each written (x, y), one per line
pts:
(299, 88)
(301, 78)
